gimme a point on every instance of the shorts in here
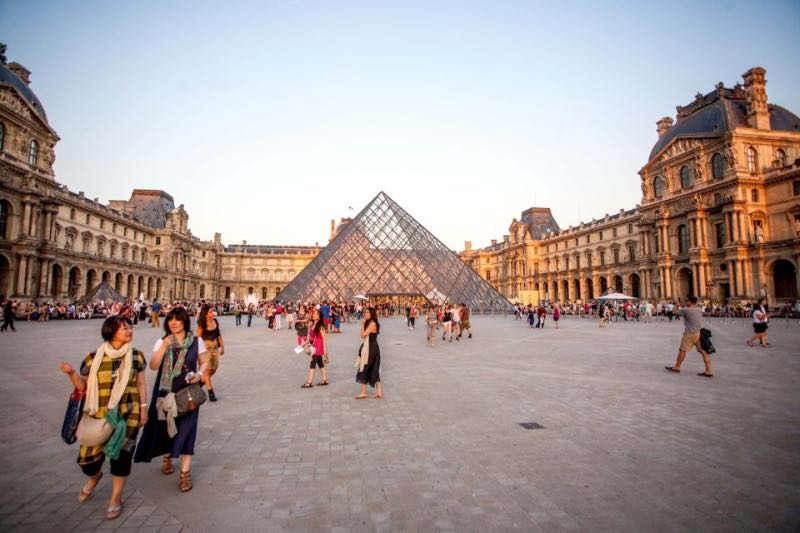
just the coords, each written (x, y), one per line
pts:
(759, 327)
(690, 339)
(316, 361)
(465, 324)
(326, 321)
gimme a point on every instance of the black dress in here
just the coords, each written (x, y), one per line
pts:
(372, 371)
(155, 440)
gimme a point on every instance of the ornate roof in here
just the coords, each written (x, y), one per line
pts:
(9, 78)
(717, 113)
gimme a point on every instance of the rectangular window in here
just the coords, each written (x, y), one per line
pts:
(631, 253)
(602, 259)
(72, 214)
(719, 234)
(114, 228)
(614, 232)
(576, 241)
(796, 188)
(616, 255)
(102, 224)
(157, 259)
(630, 229)
(588, 239)
(601, 235)
(158, 241)
(88, 218)
(204, 253)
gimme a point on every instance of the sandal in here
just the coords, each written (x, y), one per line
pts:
(322, 383)
(186, 482)
(84, 495)
(306, 385)
(166, 466)
(672, 369)
(705, 375)
(113, 512)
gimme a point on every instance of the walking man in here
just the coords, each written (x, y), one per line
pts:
(693, 316)
(155, 311)
(8, 314)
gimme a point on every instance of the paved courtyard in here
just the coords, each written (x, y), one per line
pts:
(624, 446)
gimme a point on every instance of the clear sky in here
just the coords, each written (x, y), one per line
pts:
(268, 119)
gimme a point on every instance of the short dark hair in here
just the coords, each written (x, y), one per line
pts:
(177, 313)
(692, 298)
(111, 325)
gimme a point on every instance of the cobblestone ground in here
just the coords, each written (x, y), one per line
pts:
(625, 446)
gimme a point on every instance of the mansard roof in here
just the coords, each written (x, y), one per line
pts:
(719, 112)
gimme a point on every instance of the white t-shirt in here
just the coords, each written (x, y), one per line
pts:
(201, 346)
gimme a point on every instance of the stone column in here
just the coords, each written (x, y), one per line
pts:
(701, 280)
(695, 278)
(26, 215)
(22, 272)
(44, 277)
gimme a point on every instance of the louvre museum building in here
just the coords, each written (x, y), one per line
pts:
(719, 217)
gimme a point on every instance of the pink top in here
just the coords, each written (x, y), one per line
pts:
(318, 342)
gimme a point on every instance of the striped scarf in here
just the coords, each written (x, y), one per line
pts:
(170, 371)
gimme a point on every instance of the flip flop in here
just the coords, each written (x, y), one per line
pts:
(671, 369)
(705, 375)
(83, 495)
(113, 512)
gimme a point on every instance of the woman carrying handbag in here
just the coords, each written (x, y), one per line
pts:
(114, 383)
(181, 359)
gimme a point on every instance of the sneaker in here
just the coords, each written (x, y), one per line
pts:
(211, 396)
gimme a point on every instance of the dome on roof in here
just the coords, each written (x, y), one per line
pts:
(8, 77)
(720, 116)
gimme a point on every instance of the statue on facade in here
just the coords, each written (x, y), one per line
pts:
(70, 242)
(759, 233)
(699, 172)
(730, 155)
(797, 225)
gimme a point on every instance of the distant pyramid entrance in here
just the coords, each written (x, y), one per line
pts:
(385, 251)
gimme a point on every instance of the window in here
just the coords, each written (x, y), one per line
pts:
(88, 219)
(102, 224)
(719, 234)
(602, 259)
(615, 251)
(488, 275)
(614, 232)
(630, 229)
(686, 179)
(114, 228)
(796, 188)
(658, 186)
(780, 155)
(754, 195)
(601, 235)
(158, 241)
(588, 239)
(683, 239)
(72, 214)
(566, 263)
(204, 253)
(717, 169)
(631, 253)
(5, 207)
(2, 135)
(157, 259)
(656, 242)
(576, 241)
(752, 160)
(125, 231)
(717, 198)
(33, 154)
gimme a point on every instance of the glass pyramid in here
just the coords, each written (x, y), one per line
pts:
(385, 251)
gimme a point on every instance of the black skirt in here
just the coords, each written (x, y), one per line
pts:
(372, 371)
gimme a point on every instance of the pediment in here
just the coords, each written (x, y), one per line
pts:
(10, 98)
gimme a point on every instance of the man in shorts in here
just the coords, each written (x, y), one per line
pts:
(692, 323)
(465, 325)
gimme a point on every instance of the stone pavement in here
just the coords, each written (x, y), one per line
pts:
(625, 446)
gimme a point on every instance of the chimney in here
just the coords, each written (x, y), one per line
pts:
(467, 246)
(755, 95)
(333, 230)
(21, 72)
(494, 243)
(663, 126)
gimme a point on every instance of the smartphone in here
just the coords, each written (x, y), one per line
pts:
(190, 376)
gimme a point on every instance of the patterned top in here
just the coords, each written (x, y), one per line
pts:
(128, 404)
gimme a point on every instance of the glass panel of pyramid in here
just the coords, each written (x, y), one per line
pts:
(385, 251)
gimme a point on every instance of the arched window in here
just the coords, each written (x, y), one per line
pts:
(33, 155)
(2, 135)
(5, 209)
(780, 155)
(717, 169)
(683, 239)
(686, 179)
(658, 186)
(752, 160)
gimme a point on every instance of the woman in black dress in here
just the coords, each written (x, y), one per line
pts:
(369, 360)
(181, 359)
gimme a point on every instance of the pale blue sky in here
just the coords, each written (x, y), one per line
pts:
(466, 113)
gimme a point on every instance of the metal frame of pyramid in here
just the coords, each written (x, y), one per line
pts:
(385, 251)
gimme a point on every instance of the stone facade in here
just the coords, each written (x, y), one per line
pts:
(57, 244)
(719, 216)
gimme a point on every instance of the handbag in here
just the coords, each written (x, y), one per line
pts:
(72, 416)
(299, 349)
(190, 398)
(93, 431)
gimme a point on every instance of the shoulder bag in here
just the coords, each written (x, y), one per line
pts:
(72, 416)
(190, 398)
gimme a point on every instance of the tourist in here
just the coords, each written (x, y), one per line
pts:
(604, 311)
(301, 325)
(531, 316)
(369, 360)
(760, 324)
(155, 312)
(9, 309)
(556, 314)
(465, 323)
(413, 313)
(237, 314)
(432, 323)
(319, 345)
(693, 317)
(114, 380)
(289, 316)
(181, 359)
(447, 324)
(269, 315)
(277, 314)
(541, 314)
(208, 330)
(250, 311)
(325, 314)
